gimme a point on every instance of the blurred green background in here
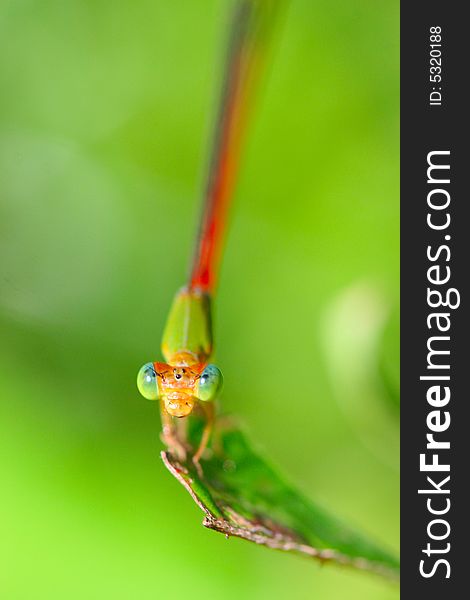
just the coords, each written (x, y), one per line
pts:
(104, 114)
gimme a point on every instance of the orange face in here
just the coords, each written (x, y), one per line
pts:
(177, 386)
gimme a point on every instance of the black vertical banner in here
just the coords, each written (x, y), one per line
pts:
(435, 258)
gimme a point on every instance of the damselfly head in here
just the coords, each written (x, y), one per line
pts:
(180, 387)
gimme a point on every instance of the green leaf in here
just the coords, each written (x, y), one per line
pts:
(242, 495)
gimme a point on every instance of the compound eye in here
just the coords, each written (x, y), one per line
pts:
(147, 382)
(209, 384)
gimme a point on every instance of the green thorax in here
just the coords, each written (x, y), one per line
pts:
(188, 332)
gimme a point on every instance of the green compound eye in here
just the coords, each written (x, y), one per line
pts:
(147, 382)
(209, 384)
